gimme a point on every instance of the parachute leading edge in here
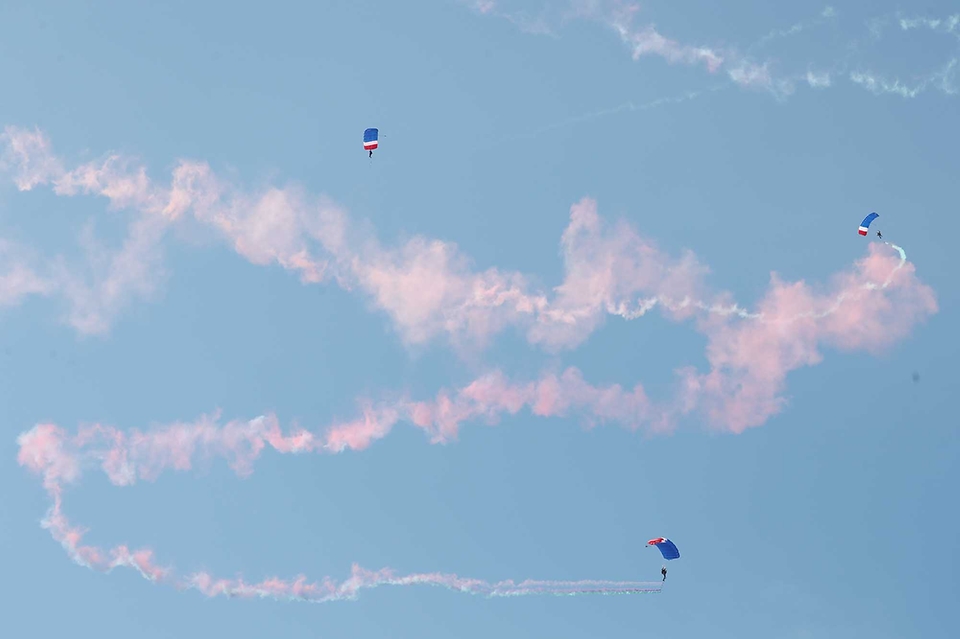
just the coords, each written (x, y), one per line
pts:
(666, 547)
(866, 223)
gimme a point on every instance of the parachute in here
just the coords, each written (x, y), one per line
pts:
(370, 139)
(866, 223)
(666, 547)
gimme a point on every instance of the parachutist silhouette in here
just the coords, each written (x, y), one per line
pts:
(371, 154)
(663, 571)
(880, 235)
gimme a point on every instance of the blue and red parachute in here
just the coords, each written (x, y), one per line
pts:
(865, 225)
(371, 139)
(666, 547)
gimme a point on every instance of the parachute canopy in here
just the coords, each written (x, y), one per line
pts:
(667, 548)
(370, 139)
(866, 223)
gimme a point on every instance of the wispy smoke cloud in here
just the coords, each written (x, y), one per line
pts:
(104, 285)
(943, 79)
(646, 40)
(18, 280)
(826, 15)
(741, 68)
(950, 24)
(820, 80)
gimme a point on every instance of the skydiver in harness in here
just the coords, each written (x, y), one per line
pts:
(371, 154)
(880, 235)
(663, 571)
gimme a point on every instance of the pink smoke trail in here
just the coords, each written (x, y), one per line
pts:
(47, 450)
(869, 308)
(749, 362)
(134, 455)
(426, 286)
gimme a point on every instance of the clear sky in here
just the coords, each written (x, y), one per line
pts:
(601, 282)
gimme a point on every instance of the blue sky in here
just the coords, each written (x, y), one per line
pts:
(828, 517)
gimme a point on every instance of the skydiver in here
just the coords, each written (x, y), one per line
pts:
(880, 235)
(371, 154)
(663, 571)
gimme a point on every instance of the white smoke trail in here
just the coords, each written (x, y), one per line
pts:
(627, 107)
(328, 591)
(643, 306)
